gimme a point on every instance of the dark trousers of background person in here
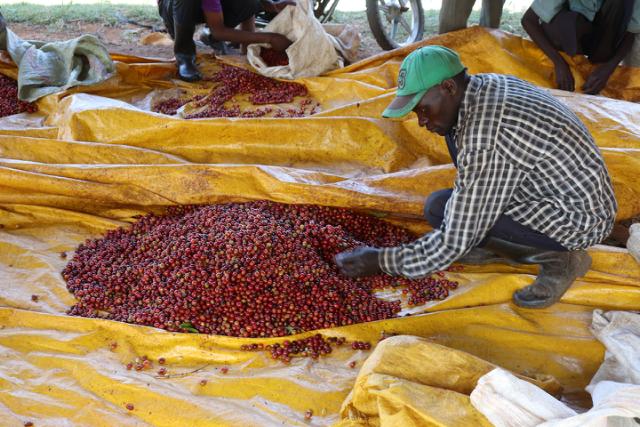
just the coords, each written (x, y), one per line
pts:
(454, 14)
(181, 17)
(604, 34)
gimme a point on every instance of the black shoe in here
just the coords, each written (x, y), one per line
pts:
(558, 271)
(187, 69)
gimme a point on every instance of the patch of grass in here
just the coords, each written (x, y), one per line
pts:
(104, 13)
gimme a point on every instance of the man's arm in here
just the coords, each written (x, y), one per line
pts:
(597, 80)
(533, 27)
(215, 20)
(484, 186)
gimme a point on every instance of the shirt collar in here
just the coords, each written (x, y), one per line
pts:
(467, 102)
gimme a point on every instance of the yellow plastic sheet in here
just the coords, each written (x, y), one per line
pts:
(92, 160)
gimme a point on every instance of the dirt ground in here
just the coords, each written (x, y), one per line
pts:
(121, 39)
(127, 38)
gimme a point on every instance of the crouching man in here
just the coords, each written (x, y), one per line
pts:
(531, 185)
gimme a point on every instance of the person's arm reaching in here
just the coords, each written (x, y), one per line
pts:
(215, 20)
(484, 186)
(533, 27)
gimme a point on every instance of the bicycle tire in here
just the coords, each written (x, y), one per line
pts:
(373, 16)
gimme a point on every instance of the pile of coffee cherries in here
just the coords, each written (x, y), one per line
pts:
(256, 269)
(235, 82)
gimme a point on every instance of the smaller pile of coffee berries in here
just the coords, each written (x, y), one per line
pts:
(274, 58)
(9, 102)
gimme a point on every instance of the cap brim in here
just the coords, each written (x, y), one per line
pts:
(402, 105)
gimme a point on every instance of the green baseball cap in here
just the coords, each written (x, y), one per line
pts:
(420, 71)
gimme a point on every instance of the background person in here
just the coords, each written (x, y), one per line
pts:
(222, 17)
(602, 30)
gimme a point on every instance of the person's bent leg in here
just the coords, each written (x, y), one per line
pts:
(454, 15)
(491, 13)
(185, 15)
(435, 205)
(559, 267)
(434, 209)
(509, 241)
(609, 27)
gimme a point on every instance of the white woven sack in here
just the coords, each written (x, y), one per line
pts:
(312, 52)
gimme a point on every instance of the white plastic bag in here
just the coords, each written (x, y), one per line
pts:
(615, 389)
(633, 244)
(312, 52)
(508, 401)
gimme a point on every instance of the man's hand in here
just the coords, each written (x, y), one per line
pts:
(279, 42)
(564, 78)
(276, 6)
(598, 79)
(361, 261)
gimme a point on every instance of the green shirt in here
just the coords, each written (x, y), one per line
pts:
(547, 9)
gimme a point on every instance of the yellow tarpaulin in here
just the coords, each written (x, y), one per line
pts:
(94, 158)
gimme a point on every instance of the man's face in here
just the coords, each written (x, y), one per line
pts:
(437, 110)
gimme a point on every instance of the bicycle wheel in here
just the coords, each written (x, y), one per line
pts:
(395, 23)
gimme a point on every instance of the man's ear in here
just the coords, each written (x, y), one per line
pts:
(449, 86)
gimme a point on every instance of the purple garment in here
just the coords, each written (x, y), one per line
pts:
(212, 6)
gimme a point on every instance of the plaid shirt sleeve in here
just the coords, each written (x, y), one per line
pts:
(484, 186)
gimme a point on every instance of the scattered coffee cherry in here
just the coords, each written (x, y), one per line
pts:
(130, 366)
(169, 106)
(34, 298)
(162, 371)
(63, 255)
(203, 383)
(113, 346)
(360, 345)
(130, 406)
(224, 370)
(161, 361)
(352, 364)
(28, 424)
(9, 102)
(257, 269)
(308, 414)
(138, 367)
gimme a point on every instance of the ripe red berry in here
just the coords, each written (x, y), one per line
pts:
(113, 346)
(63, 255)
(28, 424)
(130, 366)
(34, 298)
(224, 369)
(308, 414)
(161, 361)
(203, 383)
(352, 364)
(162, 371)
(130, 406)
